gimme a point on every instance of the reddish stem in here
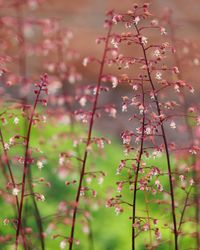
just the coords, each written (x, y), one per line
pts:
(184, 209)
(191, 136)
(137, 172)
(12, 180)
(151, 247)
(8, 165)
(89, 138)
(23, 74)
(22, 71)
(165, 144)
(25, 169)
(37, 212)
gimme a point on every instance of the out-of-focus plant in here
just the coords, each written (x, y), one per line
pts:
(14, 185)
(186, 54)
(32, 118)
(89, 94)
(17, 29)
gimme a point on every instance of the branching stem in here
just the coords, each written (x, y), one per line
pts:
(165, 145)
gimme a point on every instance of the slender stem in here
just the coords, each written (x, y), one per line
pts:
(184, 209)
(149, 221)
(88, 139)
(4, 172)
(37, 212)
(8, 165)
(137, 172)
(23, 74)
(25, 170)
(60, 52)
(12, 180)
(191, 137)
(166, 146)
(90, 236)
(69, 108)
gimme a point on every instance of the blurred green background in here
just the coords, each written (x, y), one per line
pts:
(104, 230)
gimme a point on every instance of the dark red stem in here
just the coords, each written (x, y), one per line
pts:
(166, 147)
(23, 74)
(88, 139)
(184, 209)
(13, 182)
(191, 137)
(137, 172)
(25, 169)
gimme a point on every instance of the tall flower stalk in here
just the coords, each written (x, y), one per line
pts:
(11, 177)
(164, 140)
(190, 132)
(89, 135)
(42, 86)
(23, 74)
(138, 162)
(153, 127)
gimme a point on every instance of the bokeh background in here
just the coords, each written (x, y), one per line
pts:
(85, 18)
